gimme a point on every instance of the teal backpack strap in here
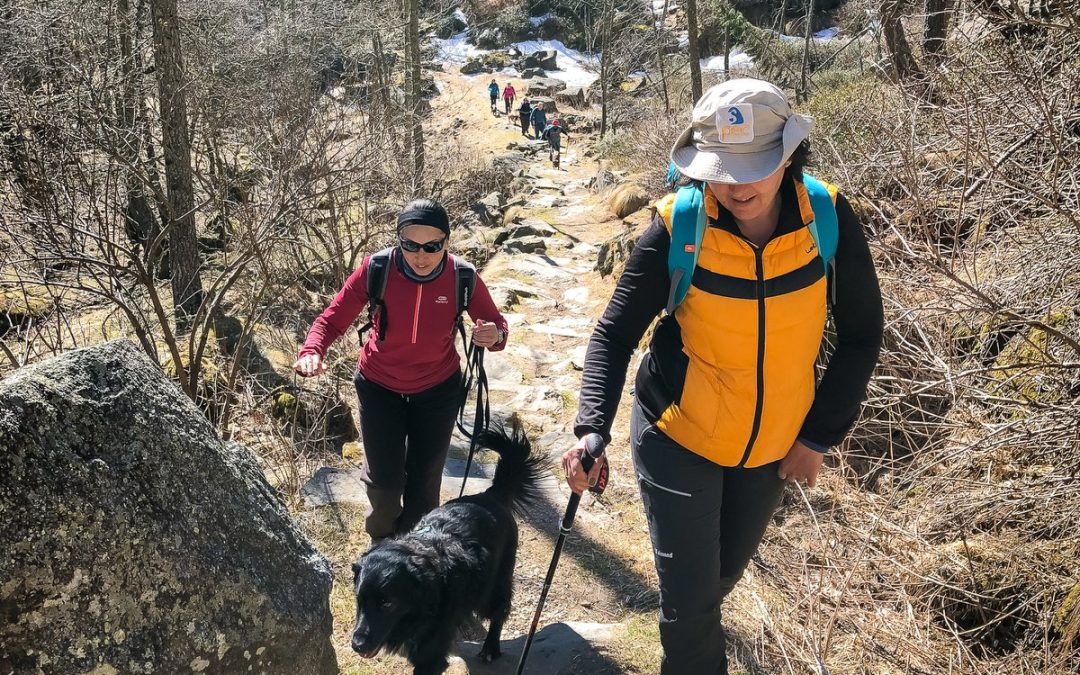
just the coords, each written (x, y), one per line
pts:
(825, 229)
(687, 229)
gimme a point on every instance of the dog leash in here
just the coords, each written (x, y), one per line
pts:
(474, 372)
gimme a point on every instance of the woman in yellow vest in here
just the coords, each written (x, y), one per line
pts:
(726, 406)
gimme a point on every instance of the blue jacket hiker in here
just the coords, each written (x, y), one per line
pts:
(538, 118)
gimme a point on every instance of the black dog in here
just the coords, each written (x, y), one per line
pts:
(414, 592)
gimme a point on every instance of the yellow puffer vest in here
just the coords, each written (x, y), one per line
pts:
(751, 325)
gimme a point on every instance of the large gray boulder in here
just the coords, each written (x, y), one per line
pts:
(543, 58)
(574, 97)
(549, 104)
(544, 86)
(135, 541)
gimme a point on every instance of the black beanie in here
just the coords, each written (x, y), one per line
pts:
(424, 212)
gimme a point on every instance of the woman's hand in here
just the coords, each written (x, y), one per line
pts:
(576, 478)
(801, 464)
(485, 334)
(310, 365)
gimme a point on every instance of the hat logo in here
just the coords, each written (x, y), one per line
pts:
(736, 123)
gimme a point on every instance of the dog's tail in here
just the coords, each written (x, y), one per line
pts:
(519, 471)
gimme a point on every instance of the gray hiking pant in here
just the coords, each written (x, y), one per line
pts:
(406, 440)
(706, 522)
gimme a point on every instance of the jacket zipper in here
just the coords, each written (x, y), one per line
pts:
(416, 311)
(759, 269)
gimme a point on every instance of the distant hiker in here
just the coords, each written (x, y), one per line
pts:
(524, 113)
(726, 409)
(408, 380)
(493, 92)
(553, 135)
(538, 118)
(508, 95)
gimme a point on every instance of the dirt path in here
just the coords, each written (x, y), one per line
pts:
(603, 597)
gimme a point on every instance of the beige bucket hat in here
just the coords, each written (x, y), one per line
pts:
(742, 131)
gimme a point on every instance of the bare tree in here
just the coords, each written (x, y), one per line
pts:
(904, 66)
(183, 247)
(804, 85)
(695, 52)
(938, 13)
(412, 101)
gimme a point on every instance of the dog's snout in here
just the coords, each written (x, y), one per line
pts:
(359, 642)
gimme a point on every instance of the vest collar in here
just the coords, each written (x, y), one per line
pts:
(795, 210)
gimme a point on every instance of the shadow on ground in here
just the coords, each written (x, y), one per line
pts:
(558, 649)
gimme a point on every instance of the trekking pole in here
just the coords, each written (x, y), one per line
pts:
(594, 448)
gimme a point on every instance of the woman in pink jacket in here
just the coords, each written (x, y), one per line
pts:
(409, 376)
(508, 95)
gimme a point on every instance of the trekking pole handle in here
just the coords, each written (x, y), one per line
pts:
(594, 449)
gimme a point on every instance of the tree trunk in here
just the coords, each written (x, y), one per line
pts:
(605, 63)
(140, 224)
(727, 52)
(904, 66)
(937, 27)
(658, 29)
(416, 127)
(695, 52)
(184, 260)
(804, 86)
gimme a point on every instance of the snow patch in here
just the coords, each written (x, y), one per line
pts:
(739, 60)
(537, 20)
(456, 49)
(460, 16)
(822, 36)
(575, 68)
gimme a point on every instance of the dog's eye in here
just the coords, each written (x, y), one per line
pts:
(385, 604)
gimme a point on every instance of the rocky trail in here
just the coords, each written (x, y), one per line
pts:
(550, 231)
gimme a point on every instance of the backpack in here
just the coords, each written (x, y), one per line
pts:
(379, 271)
(688, 222)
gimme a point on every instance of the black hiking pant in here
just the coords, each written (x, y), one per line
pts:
(406, 439)
(524, 123)
(706, 522)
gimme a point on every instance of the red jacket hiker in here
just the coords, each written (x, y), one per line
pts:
(408, 381)
(418, 350)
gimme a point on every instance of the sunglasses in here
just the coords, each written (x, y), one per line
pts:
(428, 247)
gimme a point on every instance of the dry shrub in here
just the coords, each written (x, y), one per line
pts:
(643, 148)
(626, 198)
(996, 591)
